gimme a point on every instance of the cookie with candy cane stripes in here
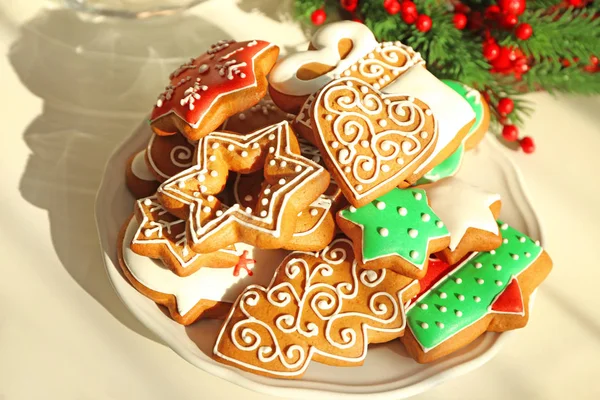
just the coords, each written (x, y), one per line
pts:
(163, 236)
(140, 181)
(315, 226)
(371, 142)
(397, 231)
(488, 291)
(230, 77)
(206, 293)
(292, 182)
(468, 213)
(319, 307)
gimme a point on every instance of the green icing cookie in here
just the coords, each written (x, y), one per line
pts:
(397, 223)
(451, 165)
(466, 294)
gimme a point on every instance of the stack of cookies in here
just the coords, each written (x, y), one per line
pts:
(309, 201)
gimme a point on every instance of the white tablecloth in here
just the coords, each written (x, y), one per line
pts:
(70, 90)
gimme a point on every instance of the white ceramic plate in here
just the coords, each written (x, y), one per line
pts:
(388, 373)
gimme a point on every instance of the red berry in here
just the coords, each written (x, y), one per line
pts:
(594, 60)
(410, 18)
(318, 17)
(491, 51)
(460, 21)
(393, 7)
(491, 12)
(508, 21)
(505, 106)
(349, 5)
(516, 7)
(510, 133)
(524, 31)
(408, 7)
(527, 144)
(424, 23)
(576, 3)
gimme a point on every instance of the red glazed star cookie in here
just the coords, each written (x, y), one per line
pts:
(291, 184)
(315, 226)
(371, 142)
(230, 77)
(206, 293)
(163, 236)
(488, 291)
(468, 213)
(320, 307)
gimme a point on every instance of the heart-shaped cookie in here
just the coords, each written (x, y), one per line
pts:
(371, 141)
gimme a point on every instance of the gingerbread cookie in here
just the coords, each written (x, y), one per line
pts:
(291, 184)
(485, 292)
(138, 178)
(163, 236)
(320, 307)
(397, 231)
(469, 214)
(208, 292)
(169, 155)
(315, 226)
(230, 77)
(371, 142)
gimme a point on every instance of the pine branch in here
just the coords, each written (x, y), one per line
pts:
(553, 77)
(562, 34)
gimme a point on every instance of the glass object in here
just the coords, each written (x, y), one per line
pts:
(138, 9)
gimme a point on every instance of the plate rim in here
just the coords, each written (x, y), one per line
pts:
(243, 379)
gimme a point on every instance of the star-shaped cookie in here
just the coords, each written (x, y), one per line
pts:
(291, 184)
(228, 78)
(163, 236)
(397, 231)
(470, 215)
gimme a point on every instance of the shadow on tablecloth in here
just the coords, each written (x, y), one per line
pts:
(98, 79)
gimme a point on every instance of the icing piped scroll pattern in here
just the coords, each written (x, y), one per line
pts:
(324, 303)
(369, 136)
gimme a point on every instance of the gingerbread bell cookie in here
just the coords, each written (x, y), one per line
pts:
(230, 77)
(488, 291)
(320, 307)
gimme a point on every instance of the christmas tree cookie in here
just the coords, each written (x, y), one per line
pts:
(487, 291)
(397, 231)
